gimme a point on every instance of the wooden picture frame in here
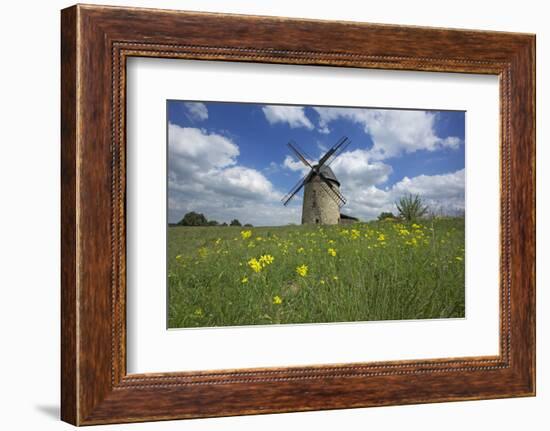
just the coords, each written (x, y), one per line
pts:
(95, 43)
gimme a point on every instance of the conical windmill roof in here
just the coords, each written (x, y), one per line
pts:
(327, 173)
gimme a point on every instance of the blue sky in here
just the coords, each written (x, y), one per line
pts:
(230, 160)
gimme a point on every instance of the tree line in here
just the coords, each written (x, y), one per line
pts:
(198, 219)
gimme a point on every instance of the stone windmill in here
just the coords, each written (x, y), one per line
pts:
(322, 196)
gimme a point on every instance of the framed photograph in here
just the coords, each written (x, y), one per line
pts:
(265, 214)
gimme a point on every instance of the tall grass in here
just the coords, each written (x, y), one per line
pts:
(220, 276)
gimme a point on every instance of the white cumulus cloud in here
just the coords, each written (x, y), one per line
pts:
(294, 116)
(442, 193)
(201, 148)
(354, 169)
(204, 176)
(393, 132)
(196, 110)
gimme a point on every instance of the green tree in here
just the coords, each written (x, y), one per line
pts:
(235, 222)
(193, 219)
(411, 207)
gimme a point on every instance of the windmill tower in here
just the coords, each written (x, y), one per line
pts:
(322, 197)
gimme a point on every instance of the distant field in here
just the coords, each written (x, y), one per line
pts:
(227, 276)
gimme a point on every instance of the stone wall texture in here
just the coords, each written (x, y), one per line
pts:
(319, 207)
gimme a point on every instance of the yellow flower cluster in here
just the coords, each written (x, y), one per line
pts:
(302, 270)
(355, 234)
(266, 259)
(245, 234)
(413, 242)
(257, 264)
(332, 252)
(277, 300)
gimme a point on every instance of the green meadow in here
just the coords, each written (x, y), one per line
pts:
(382, 270)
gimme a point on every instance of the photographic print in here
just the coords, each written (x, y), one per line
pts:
(288, 214)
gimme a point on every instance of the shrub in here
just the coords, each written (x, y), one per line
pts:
(386, 215)
(411, 207)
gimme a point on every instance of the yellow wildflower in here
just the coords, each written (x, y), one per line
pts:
(332, 252)
(301, 250)
(322, 281)
(416, 226)
(302, 270)
(203, 252)
(355, 234)
(412, 242)
(198, 312)
(277, 300)
(244, 280)
(245, 234)
(381, 237)
(255, 265)
(266, 259)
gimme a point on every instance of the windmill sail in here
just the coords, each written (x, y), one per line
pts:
(301, 150)
(299, 155)
(330, 152)
(337, 153)
(288, 197)
(333, 192)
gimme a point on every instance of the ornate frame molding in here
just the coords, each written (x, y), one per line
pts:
(96, 41)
